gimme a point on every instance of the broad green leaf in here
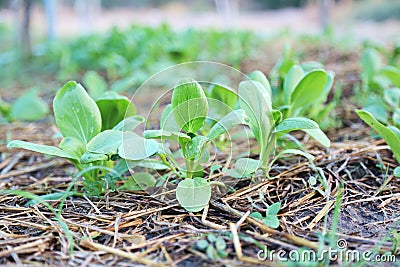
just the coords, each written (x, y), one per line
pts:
(392, 97)
(114, 108)
(29, 107)
(194, 148)
(152, 164)
(271, 221)
(246, 166)
(73, 146)
(95, 84)
(390, 137)
(256, 103)
(106, 142)
(396, 171)
(129, 124)
(293, 124)
(89, 157)
(395, 130)
(193, 194)
(274, 209)
(134, 147)
(202, 244)
(311, 65)
(220, 244)
(260, 77)
(371, 63)
(256, 215)
(189, 106)
(166, 135)
(167, 121)
(48, 150)
(76, 113)
(139, 181)
(292, 79)
(378, 110)
(225, 95)
(236, 117)
(309, 89)
(319, 136)
(393, 74)
(211, 253)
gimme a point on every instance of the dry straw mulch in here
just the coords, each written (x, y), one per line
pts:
(134, 229)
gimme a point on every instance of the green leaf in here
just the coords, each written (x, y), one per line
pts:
(106, 142)
(189, 106)
(48, 150)
(166, 135)
(236, 117)
(220, 244)
(76, 113)
(371, 63)
(246, 166)
(319, 136)
(395, 130)
(134, 147)
(167, 121)
(29, 107)
(392, 97)
(225, 95)
(390, 137)
(396, 171)
(95, 84)
(256, 103)
(211, 253)
(193, 194)
(139, 181)
(393, 74)
(114, 108)
(73, 146)
(52, 196)
(271, 221)
(259, 76)
(378, 110)
(293, 124)
(308, 89)
(274, 209)
(291, 81)
(211, 238)
(194, 148)
(129, 124)
(202, 244)
(256, 215)
(89, 157)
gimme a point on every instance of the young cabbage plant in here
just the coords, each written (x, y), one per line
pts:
(183, 121)
(86, 140)
(268, 125)
(28, 107)
(391, 134)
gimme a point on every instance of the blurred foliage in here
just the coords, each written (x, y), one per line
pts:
(377, 10)
(137, 52)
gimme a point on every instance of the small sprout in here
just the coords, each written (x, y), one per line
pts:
(213, 246)
(270, 219)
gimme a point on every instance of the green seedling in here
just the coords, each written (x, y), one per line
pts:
(86, 141)
(391, 134)
(215, 247)
(183, 121)
(28, 107)
(270, 219)
(268, 125)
